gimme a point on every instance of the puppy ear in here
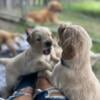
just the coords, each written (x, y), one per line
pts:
(28, 33)
(68, 52)
(61, 29)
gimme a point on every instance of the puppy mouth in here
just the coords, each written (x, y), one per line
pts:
(46, 51)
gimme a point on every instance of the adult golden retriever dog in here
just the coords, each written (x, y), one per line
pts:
(76, 78)
(48, 14)
(31, 60)
(8, 39)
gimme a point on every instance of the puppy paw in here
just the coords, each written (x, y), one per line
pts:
(48, 73)
(43, 65)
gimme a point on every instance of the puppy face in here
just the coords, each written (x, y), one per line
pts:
(74, 40)
(55, 6)
(40, 39)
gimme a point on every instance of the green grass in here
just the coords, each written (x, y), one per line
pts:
(88, 7)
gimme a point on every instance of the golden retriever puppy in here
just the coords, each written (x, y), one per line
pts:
(31, 60)
(8, 39)
(76, 78)
(48, 14)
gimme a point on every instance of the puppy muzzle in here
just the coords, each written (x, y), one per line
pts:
(47, 47)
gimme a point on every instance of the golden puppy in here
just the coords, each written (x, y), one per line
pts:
(31, 60)
(76, 78)
(47, 14)
(8, 39)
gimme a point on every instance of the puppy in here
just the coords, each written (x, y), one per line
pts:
(47, 14)
(31, 60)
(76, 78)
(8, 39)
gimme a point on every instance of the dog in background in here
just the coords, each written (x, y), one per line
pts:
(76, 78)
(8, 39)
(48, 14)
(31, 60)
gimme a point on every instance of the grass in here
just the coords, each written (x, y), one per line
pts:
(88, 7)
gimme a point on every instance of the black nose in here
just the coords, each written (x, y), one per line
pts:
(48, 43)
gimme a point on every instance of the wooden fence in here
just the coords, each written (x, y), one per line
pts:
(17, 8)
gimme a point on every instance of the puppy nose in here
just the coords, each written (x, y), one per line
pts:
(48, 43)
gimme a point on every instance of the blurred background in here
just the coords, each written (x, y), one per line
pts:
(15, 15)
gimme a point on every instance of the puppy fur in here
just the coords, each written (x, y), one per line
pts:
(76, 78)
(47, 14)
(31, 60)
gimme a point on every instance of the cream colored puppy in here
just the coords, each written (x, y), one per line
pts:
(73, 73)
(31, 60)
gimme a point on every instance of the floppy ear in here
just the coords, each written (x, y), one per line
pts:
(61, 29)
(68, 52)
(28, 33)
